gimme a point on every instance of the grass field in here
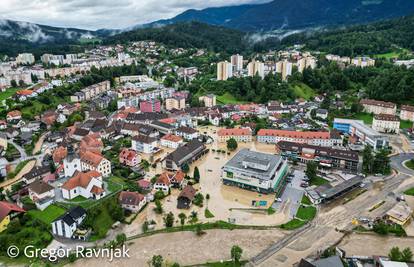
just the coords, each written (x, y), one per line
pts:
(409, 164)
(390, 55)
(305, 200)
(48, 215)
(301, 90)
(293, 224)
(306, 213)
(8, 93)
(228, 98)
(208, 214)
(410, 192)
(366, 117)
(406, 124)
(318, 181)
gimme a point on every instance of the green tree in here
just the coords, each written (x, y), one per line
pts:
(311, 169)
(158, 207)
(121, 238)
(395, 254)
(231, 144)
(367, 160)
(196, 174)
(406, 255)
(198, 199)
(236, 253)
(185, 168)
(382, 162)
(157, 261)
(169, 220)
(182, 217)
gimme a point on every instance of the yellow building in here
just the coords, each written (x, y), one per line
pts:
(400, 214)
(7, 212)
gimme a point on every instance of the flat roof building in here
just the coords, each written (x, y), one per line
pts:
(255, 171)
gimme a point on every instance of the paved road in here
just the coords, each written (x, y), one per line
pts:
(336, 216)
(397, 163)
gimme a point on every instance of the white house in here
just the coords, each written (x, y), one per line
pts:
(187, 133)
(171, 141)
(42, 194)
(86, 184)
(132, 201)
(144, 144)
(66, 225)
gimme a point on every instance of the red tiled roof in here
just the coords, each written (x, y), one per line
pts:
(172, 138)
(7, 207)
(294, 134)
(24, 92)
(91, 158)
(80, 179)
(130, 198)
(234, 132)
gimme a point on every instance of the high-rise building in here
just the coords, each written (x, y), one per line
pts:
(284, 68)
(153, 105)
(236, 62)
(25, 58)
(255, 67)
(306, 62)
(224, 71)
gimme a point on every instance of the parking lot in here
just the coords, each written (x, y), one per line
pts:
(292, 194)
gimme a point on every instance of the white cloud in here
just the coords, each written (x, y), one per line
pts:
(95, 14)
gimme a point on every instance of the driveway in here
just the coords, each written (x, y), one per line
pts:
(292, 194)
(397, 163)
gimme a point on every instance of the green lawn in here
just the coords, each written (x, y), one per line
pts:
(78, 199)
(406, 124)
(101, 225)
(390, 55)
(410, 192)
(306, 213)
(318, 181)
(410, 164)
(208, 214)
(293, 224)
(306, 201)
(301, 90)
(8, 93)
(228, 98)
(366, 117)
(48, 215)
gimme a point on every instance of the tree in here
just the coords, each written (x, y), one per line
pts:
(198, 199)
(231, 144)
(311, 169)
(169, 220)
(395, 254)
(380, 228)
(193, 216)
(407, 255)
(121, 238)
(182, 217)
(13, 83)
(185, 168)
(157, 261)
(367, 160)
(196, 174)
(199, 230)
(207, 199)
(158, 206)
(236, 253)
(382, 162)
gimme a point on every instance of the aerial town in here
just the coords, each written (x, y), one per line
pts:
(149, 146)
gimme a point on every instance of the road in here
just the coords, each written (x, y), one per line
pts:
(324, 230)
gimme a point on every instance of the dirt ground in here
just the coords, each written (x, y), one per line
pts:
(27, 168)
(368, 245)
(226, 202)
(187, 248)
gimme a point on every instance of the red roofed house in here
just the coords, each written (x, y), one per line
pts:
(241, 135)
(14, 115)
(8, 211)
(132, 201)
(145, 185)
(49, 117)
(24, 94)
(93, 161)
(171, 141)
(92, 143)
(167, 180)
(326, 139)
(59, 154)
(86, 184)
(129, 157)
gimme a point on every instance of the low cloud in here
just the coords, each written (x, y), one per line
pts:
(96, 14)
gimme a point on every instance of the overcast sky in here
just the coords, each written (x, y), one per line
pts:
(95, 14)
